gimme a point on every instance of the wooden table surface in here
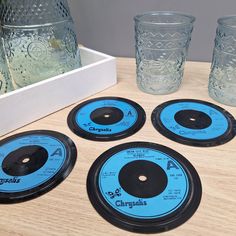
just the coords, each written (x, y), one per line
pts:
(66, 209)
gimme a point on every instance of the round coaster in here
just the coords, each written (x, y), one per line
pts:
(194, 122)
(32, 163)
(106, 119)
(144, 187)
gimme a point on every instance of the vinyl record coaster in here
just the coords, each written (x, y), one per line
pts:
(194, 122)
(106, 119)
(144, 187)
(32, 163)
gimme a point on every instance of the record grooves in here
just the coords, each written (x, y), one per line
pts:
(106, 119)
(194, 122)
(33, 163)
(144, 187)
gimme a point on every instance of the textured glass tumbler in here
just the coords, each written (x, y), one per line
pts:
(39, 39)
(222, 81)
(162, 41)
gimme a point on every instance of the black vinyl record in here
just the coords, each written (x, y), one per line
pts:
(33, 163)
(144, 187)
(194, 122)
(106, 119)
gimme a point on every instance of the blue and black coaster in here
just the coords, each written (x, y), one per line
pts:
(32, 163)
(194, 122)
(144, 187)
(106, 119)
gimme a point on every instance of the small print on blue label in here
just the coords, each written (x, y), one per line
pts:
(218, 127)
(56, 157)
(83, 119)
(172, 197)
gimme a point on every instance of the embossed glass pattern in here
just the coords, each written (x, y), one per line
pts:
(39, 39)
(33, 12)
(162, 41)
(222, 80)
(5, 80)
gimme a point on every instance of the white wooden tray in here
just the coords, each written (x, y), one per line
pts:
(25, 105)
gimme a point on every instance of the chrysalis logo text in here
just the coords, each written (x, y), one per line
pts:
(100, 130)
(120, 203)
(9, 181)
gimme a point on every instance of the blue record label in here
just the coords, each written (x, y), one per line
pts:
(56, 157)
(218, 126)
(84, 121)
(168, 201)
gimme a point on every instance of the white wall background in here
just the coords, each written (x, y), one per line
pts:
(107, 25)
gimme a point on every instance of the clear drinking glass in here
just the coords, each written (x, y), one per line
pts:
(162, 41)
(39, 39)
(222, 80)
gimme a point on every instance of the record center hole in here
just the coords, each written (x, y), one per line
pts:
(26, 160)
(107, 116)
(142, 178)
(192, 119)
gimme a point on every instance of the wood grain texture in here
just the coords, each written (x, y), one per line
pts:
(66, 209)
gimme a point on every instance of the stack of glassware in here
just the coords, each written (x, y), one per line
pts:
(38, 41)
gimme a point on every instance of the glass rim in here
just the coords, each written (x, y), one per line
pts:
(32, 26)
(221, 21)
(138, 18)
